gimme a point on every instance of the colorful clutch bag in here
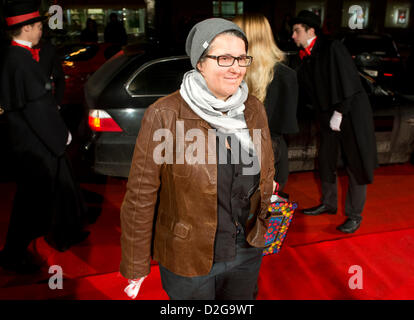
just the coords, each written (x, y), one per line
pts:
(281, 214)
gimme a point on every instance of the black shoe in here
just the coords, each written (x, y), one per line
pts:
(24, 264)
(349, 226)
(314, 211)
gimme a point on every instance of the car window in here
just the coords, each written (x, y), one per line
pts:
(81, 53)
(160, 78)
(104, 75)
(378, 46)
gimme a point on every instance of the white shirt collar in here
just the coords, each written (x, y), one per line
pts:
(310, 40)
(25, 43)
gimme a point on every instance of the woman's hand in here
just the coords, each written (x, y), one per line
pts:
(133, 288)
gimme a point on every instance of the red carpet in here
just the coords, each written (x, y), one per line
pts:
(313, 264)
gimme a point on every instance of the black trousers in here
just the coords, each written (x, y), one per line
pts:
(233, 280)
(355, 197)
(340, 151)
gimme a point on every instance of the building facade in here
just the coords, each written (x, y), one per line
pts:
(170, 20)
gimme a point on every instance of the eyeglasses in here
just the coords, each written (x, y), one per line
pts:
(228, 60)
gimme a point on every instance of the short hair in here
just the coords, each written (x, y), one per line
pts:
(306, 27)
(17, 31)
(14, 32)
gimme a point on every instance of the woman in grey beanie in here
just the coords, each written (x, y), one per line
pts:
(209, 196)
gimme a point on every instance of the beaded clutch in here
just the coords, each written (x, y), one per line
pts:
(281, 214)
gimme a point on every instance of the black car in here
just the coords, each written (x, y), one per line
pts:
(117, 96)
(376, 56)
(119, 92)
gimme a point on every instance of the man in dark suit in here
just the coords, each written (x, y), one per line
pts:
(330, 82)
(47, 200)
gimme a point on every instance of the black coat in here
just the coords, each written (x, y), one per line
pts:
(330, 81)
(282, 100)
(47, 198)
(50, 63)
(30, 109)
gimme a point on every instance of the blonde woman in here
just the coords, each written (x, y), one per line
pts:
(274, 84)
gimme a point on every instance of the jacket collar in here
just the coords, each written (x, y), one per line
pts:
(187, 113)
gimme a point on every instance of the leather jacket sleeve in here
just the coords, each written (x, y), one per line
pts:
(138, 207)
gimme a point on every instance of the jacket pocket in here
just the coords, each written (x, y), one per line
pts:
(181, 230)
(178, 229)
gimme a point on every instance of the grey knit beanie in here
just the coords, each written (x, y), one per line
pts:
(203, 33)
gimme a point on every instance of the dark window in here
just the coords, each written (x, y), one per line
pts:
(227, 9)
(160, 78)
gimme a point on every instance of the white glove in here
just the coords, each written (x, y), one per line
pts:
(335, 122)
(69, 139)
(133, 288)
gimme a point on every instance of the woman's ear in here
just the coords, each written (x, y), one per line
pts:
(200, 67)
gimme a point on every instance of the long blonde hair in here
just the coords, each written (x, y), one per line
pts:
(264, 50)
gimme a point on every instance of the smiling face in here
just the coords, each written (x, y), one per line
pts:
(223, 81)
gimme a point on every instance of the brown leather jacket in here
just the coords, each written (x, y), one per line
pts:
(182, 198)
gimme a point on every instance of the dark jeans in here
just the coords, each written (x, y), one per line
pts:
(232, 280)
